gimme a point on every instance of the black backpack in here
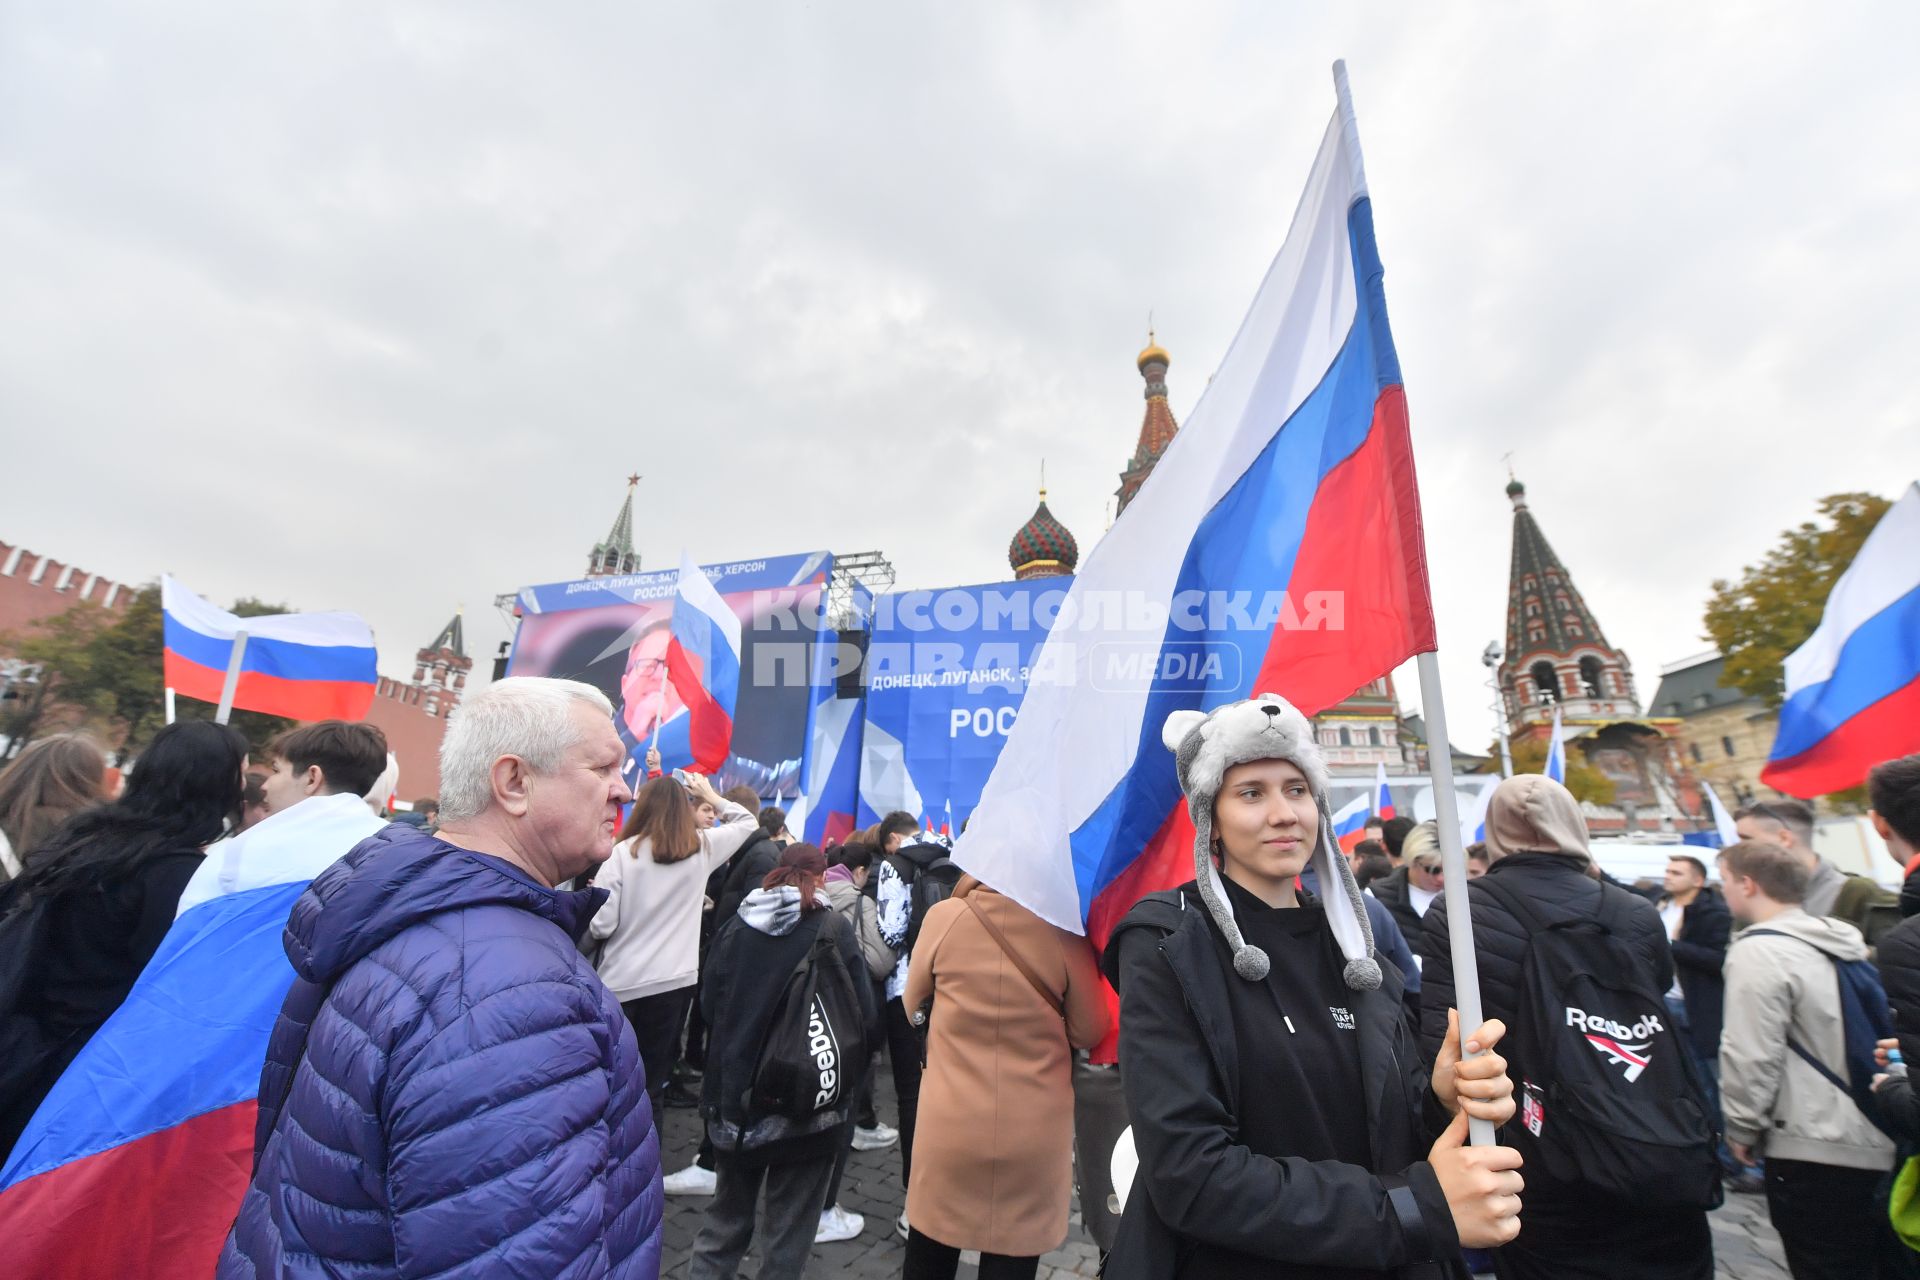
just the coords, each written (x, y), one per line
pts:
(816, 1041)
(1610, 1098)
(932, 886)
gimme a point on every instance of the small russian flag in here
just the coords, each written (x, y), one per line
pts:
(1557, 752)
(703, 664)
(1382, 797)
(305, 666)
(1350, 824)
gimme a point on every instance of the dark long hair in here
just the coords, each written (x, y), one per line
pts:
(182, 790)
(664, 815)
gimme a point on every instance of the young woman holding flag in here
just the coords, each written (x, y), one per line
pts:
(1284, 1123)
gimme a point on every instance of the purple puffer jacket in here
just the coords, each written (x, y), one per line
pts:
(470, 1100)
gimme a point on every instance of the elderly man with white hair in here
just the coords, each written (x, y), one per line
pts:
(450, 1090)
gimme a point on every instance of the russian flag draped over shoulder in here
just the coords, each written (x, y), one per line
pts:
(1853, 689)
(306, 666)
(1293, 474)
(136, 1161)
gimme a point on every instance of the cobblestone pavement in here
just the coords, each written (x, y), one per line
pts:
(1744, 1244)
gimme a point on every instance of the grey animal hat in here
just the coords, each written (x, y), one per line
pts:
(1265, 727)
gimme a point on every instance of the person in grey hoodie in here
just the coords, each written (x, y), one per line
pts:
(1824, 1158)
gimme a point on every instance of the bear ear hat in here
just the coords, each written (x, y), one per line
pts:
(1179, 725)
(1201, 761)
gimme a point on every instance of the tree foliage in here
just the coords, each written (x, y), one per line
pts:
(1772, 608)
(110, 669)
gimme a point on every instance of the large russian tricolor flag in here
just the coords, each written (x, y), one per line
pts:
(703, 662)
(1853, 689)
(306, 666)
(135, 1163)
(1293, 473)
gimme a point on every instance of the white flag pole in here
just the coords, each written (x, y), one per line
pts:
(233, 678)
(1453, 867)
(169, 704)
(1453, 855)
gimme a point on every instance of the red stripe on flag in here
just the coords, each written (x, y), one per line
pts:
(1887, 730)
(158, 1207)
(273, 695)
(1363, 543)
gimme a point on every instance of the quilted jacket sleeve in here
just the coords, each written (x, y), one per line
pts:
(499, 1124)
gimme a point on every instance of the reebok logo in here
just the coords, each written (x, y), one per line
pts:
(1630, 1048)
(824, 1046)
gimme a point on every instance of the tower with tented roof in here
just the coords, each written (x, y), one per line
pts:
(614, 554)
(1556, 653)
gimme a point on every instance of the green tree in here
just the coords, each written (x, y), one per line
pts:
(1772, 608)
(1586, 782)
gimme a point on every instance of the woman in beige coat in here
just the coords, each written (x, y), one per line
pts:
(993, 1152)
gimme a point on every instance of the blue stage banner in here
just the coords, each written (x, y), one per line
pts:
(945, 672)
(611, 632)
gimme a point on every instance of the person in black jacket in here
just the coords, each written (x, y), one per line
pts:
(109, 879)
(1539, 845)
(791, 1160)
(1283, 1121)
(1410, 890)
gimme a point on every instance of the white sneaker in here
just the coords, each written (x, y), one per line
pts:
(690, 1181)
(836, 1224)
(902, 1224)
(878, 1138)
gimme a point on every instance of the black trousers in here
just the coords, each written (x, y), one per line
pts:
(656, 1021)
(928, 1259)
(1560, 1225)
(1832, 1221)
(903, 1049)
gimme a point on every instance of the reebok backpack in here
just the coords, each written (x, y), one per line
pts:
(816, 1039)
(1610, 1099)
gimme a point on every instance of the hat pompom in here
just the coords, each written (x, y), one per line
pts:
(1361, 975)
(1251, 963)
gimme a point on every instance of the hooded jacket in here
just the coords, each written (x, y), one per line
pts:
(1198, 1191)
(1781, 983)
(746, 976)
(449, 1091)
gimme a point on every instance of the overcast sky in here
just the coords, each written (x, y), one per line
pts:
(374, 307)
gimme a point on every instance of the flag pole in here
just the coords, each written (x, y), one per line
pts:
(169, 704)
(233, 678)
(1453, 855)
(1453, 868)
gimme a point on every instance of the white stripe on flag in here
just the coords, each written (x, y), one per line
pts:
(318, 629)
(694, 587)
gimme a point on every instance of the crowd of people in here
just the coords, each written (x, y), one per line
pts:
(495, 997)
